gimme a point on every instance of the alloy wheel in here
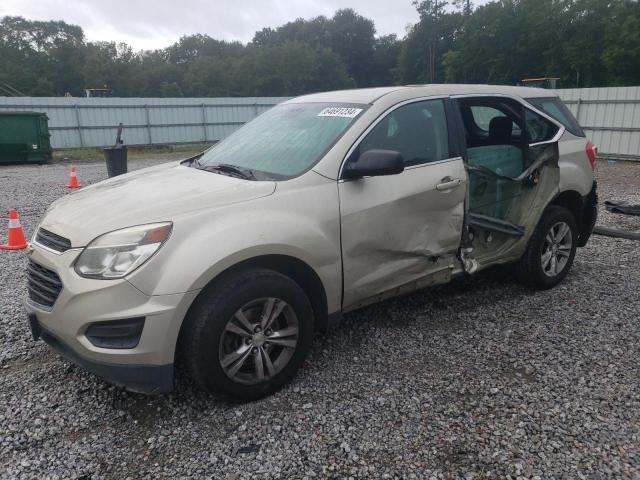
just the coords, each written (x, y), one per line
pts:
(259, 340)
(557, 248)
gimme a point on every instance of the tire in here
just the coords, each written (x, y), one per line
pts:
(216, 337)
(536, 268)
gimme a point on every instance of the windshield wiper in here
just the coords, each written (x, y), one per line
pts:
(230, 169)
(195, 162)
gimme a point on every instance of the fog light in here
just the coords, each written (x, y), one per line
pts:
(116, 334)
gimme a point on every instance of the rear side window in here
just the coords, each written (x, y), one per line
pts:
(538, 129)
(554, 107)
(482, 116)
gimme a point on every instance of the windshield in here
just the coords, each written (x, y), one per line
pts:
(283, 142)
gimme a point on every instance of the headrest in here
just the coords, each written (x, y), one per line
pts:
(500, 128)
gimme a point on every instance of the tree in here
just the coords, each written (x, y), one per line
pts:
(428, 42)
(621, 54)
(40, 56)
(431, 15)
(170, 90)
(38, 36)
(349, 35)
(189, 48)
(585, 42)
(385, 61)
(352, 37)
(503, 42)
(289, 69)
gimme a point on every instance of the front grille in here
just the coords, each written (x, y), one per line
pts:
(51, 240)
(43, 284)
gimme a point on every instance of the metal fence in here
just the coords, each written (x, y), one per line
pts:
(93, 122)
(610, 118)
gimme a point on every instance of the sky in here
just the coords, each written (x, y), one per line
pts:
(159, 23)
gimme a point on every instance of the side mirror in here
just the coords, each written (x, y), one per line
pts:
(374, 163)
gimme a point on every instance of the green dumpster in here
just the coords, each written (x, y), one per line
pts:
(24, 137)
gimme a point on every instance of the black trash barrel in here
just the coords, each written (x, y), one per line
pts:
(116, 159)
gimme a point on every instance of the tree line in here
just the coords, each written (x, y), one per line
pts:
(587, 43)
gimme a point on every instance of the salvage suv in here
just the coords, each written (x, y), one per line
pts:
(324, 204)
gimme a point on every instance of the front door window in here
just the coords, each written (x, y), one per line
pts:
(418, 131)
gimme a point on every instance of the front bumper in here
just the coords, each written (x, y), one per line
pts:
(149, 379)
(148, 367)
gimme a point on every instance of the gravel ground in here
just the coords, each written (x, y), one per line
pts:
(477, 379)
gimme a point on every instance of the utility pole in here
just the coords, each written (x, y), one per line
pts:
(429, 17)
(434, 44)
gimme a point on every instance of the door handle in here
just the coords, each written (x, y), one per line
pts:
(448, 183)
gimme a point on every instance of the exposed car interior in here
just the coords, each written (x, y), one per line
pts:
(494, 141)
(505, 167)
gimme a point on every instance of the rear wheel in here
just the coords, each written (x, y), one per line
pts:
(551, 250)
(249, 334)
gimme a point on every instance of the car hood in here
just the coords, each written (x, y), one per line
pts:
(155, 194)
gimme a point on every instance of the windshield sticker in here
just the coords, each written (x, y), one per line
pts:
(343, 112)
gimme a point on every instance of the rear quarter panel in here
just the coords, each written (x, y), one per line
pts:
(575, 170)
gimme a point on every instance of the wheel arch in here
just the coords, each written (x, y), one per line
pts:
(572, 201)
(530, 269)
(294, 268)
(584, 210)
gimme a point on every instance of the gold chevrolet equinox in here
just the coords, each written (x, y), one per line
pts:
(324, 204)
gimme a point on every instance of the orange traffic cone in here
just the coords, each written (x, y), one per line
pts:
(73, 179)
(15, 235)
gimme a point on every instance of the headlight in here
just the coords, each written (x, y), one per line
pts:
(116, 254)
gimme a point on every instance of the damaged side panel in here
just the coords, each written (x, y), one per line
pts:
(401, 232)
(511, 156)
(503, 211)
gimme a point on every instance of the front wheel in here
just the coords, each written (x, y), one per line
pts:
(550, 251)
(249, 334)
